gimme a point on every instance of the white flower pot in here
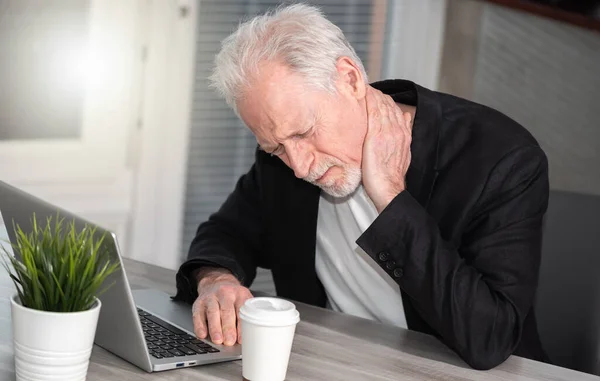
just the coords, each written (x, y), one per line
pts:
(52, 345)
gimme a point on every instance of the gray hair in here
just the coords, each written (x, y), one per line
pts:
(299, 35)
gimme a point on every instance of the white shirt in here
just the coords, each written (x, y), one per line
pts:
(353, 282)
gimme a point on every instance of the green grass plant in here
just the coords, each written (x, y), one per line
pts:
(61, 268)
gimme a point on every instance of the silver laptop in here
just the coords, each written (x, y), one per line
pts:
(144, 327)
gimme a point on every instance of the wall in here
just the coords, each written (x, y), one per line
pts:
(546, 75)
(543, 73)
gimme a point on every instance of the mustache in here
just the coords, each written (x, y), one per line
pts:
(320, 168)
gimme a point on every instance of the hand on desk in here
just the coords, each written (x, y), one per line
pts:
(220, 296)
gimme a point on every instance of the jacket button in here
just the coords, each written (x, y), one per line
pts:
(390, 265)
(383, 256)
(398, 272)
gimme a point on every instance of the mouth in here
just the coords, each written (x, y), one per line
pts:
(323, 175)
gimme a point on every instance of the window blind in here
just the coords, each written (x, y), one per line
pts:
(221, 148)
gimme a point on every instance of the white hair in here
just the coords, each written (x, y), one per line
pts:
(299, 35)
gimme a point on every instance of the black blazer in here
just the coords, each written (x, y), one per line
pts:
(463, 241)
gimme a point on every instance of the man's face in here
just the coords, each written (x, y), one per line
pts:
(317, 134)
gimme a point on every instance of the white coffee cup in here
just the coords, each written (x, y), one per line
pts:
(268, 327)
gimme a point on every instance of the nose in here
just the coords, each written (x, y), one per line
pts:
(298, 160)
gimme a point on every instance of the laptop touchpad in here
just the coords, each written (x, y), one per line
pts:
(161, 305)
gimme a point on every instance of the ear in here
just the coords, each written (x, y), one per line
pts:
(350, 79)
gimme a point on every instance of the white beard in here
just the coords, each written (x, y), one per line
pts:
(351, 178)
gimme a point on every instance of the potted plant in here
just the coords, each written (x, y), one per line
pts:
(58, 271)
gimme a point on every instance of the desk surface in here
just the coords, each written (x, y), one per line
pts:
(327, 346)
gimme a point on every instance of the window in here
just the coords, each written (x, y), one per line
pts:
(41, 56)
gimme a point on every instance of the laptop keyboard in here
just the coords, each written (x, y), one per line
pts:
(164, 340)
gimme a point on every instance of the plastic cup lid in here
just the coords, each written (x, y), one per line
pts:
(271, 312)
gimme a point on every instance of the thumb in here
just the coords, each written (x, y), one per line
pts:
(372, 112)
(408, 120)
(370, 99)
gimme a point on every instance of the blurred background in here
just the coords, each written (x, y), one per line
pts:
(105, 109)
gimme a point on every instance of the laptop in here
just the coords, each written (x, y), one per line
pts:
(145, 327)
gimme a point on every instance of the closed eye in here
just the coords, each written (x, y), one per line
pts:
(304, 134)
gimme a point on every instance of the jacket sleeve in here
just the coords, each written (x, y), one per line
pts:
(231, 238)
(477, 293)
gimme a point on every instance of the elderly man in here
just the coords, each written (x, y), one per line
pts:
(386, 201)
